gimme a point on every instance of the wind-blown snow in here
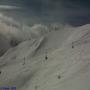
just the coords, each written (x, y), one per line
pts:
(25, 66)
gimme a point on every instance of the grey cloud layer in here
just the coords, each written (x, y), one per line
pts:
(75, 12)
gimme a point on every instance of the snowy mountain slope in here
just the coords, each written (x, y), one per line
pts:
(71, 64)
(66, 68)
(26, 50)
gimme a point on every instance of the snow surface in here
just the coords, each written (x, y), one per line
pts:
(25, 67)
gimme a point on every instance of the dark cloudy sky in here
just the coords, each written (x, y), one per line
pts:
(74, 12)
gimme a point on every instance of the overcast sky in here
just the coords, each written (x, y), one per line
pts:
(74, 12)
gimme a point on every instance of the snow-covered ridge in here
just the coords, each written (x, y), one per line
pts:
(17, 32)
(10, 30)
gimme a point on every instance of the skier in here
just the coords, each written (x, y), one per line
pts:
(72, 45)
(0, 71)
(59, 77)
(46, 57)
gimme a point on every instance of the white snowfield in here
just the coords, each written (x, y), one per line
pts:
(67, 66)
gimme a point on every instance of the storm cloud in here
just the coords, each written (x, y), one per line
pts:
(73, 12)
